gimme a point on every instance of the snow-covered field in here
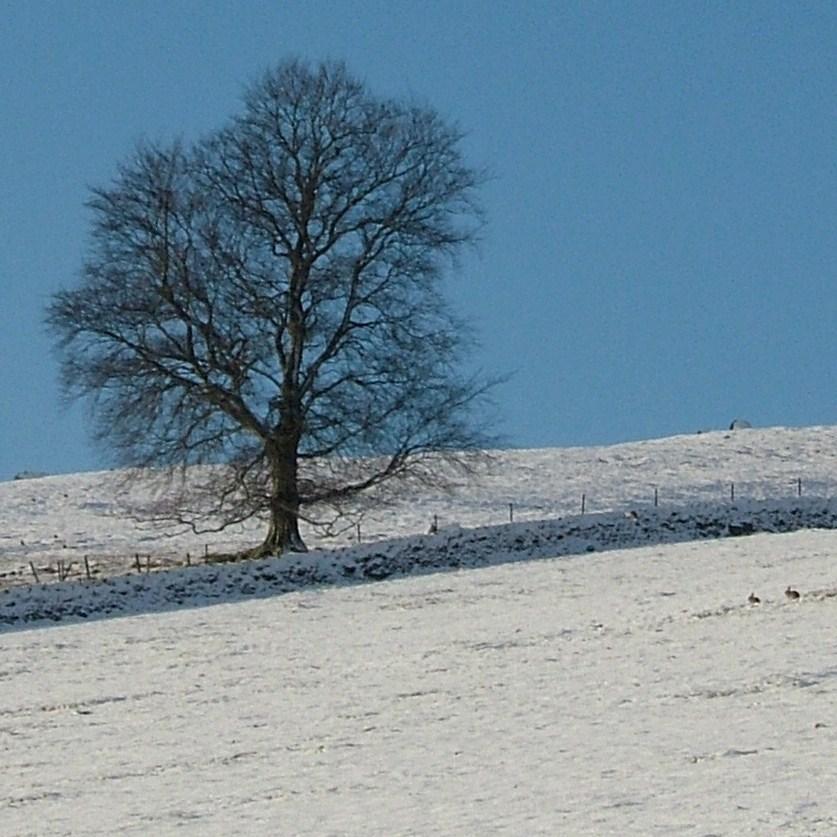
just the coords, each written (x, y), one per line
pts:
(615, 691)
(68, 517)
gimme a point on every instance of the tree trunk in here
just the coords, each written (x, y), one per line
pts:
(283, 530)
(283, 533)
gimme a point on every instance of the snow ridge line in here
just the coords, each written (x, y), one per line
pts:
(452, 548)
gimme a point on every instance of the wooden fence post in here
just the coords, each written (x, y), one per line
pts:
(64, 570)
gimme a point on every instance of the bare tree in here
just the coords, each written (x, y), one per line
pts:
(268, 303)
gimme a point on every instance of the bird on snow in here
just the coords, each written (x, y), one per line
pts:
(792, 594)
(753, 599)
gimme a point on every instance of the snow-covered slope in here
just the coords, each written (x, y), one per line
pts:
(596, 690)
(66, 517)
(451, 549)
(624, 693)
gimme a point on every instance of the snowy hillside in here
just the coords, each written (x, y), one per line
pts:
(66, 517)
(596, 674)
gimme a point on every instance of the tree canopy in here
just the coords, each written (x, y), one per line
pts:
(269, 301)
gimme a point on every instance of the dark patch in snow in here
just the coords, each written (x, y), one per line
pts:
(198, 585)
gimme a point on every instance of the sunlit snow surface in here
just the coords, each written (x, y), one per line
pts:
(630, 691)
(67, 517)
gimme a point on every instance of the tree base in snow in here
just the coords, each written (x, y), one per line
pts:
(270, 549)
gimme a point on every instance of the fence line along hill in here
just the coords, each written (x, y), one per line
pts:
(50, 525)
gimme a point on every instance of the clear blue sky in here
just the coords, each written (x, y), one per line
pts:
(660, 252)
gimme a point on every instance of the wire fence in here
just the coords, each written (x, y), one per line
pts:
(41, 566)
